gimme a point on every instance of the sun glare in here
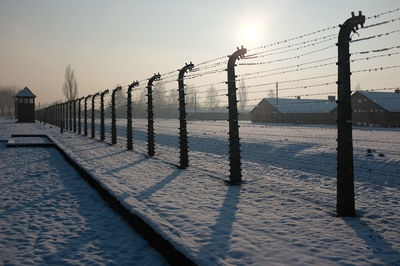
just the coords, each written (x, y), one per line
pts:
(250, 34)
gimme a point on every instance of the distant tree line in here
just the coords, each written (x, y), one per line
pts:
(6, 99)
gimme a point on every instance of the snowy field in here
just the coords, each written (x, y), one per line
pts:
(50, 215)
(283, 213)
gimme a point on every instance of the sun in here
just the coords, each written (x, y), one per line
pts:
(250, 34)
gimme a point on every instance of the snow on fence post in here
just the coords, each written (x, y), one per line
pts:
(183, 141)
(75, 115)
(150, 115)
(79, 115)
(129, 138)
(345, 203)
(93, 113)
(102, 130)
(85, 117)
(234, 140)
(113, 116)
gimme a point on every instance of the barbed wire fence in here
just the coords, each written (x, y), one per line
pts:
(292, 81)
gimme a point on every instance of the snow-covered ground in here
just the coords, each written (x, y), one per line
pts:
(283, 213)
(50, 215)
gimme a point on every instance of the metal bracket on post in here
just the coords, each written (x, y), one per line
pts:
(183, 139)
(93, 127)
(102, 130)
(114, 116)
(129, 138)
(85, 118)
(235, 167)
(74, 115)
(345, 202)
(79, 115)
(150, 115)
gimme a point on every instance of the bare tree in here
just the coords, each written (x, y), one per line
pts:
(7, 100)
(212, 98)
(271, 94)
(139, 104)
(190, 92)
(242, 95)
(120, 103)
(159, 98)
(70, 87)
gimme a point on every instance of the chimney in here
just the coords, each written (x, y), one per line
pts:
(397, 91)
(331, 98)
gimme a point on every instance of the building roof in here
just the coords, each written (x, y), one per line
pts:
(389, 101)
(26, 92)
(302, 105)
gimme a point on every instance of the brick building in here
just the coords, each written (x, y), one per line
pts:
(369, 109)
(301, 111)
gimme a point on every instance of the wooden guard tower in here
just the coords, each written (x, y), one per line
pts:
(24, 102)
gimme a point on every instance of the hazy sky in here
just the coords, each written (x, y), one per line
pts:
(114, 42)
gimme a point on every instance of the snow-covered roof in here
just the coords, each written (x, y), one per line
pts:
(26, 92)
(208, 111)
(388, 100)
(302, 105)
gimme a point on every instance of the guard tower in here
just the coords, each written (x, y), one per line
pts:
(25, 106)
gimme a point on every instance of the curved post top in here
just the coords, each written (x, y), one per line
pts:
(104, 92)
(115, 90)
(80, 99)
(184, 69)
(87, 97)
(134, 84)
(351, 25)
(152, 79)
(94, 95)
(236, 55)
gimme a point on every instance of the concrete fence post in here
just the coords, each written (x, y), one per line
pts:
(345, 204)
(183, 138)
(129, 138)
(234, 140)
(150, 115)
